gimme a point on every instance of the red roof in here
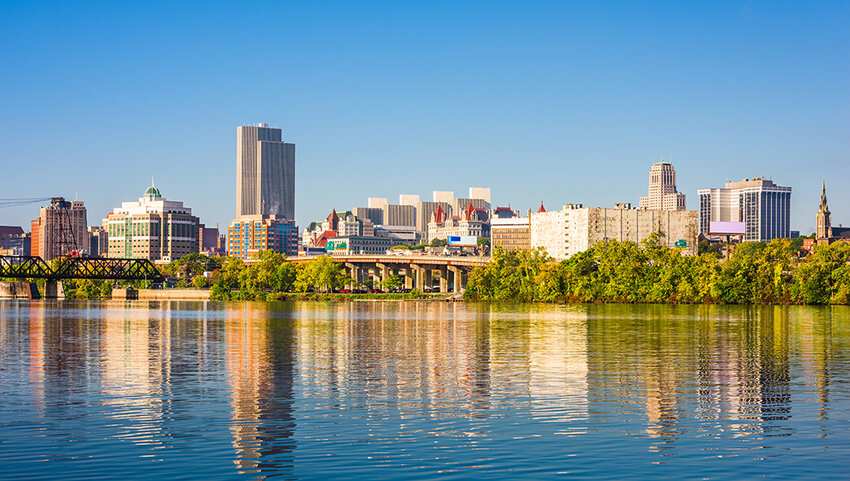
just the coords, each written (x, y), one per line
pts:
(323, 239)
(541, 209)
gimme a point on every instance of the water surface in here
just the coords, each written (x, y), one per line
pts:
(422, 390)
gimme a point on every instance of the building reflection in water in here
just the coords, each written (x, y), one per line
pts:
(416, 369)
(260, 364)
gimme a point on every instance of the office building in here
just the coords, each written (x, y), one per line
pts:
(98, 241)
(348, 245)
(510, 232)
(444, 196)
(152, 228)
(662, 189)
(248, 235)
(461, 203)
(374, 214)
(575, 228)
(14, 241)
(764, 207)
(265, 173)
(377, 203)
(400, 215)
(60, 229)
(482, 193)
(409, 199)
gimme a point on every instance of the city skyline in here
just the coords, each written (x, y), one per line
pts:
(592, 95)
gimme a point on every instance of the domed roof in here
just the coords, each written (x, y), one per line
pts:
(152, 192)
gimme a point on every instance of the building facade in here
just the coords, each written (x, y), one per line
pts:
(472, 222)
(98, 241)
(576, 228)
(662, 189)
(265, 173)
(152, 228)
(361, 245)
(510, 232)
(61, 228)
(249, 235)
(764, 207)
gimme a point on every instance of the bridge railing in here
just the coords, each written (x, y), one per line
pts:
(24, 267)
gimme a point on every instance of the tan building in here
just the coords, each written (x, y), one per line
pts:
(662, 189)
(152, 228)
(575, 228)
(511, 233)
(265, 173)
(60, 228)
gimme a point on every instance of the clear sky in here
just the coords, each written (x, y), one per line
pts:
(555, 101)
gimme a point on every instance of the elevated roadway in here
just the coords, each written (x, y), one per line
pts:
(449, 273)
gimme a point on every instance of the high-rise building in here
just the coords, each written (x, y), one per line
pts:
(480, 193)
(764, 207)
(98, 241)
(662, 189)
(265, 173)
(425, 213)
(249, 235)
(61, 228)
(400, 215)
(575, 228)
(409, 199)
(377, 203)
(373, 214)
(444, 196)
(460, 204)
(152, 228)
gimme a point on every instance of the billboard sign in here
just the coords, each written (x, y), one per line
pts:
(727, 228)
(462, 240)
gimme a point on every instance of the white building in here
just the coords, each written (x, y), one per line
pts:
(662, 189)
(764, 207)
(575, 228)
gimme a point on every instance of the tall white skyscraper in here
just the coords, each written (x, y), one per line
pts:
(265, 173)
(480, 193)
(662, 189)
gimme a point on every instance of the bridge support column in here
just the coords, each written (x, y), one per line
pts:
(354, 273)
(53, 290)
(420, 277)
(444, 280)
(385, 272)
(408, 277)
(427, 281)
(457, 274)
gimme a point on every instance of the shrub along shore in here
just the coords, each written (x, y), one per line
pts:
(627, 272)
(613, 272)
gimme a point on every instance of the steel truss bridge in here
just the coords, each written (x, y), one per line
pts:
(33, 267)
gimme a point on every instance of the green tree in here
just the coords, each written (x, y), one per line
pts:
(392, 282)
(200, 282)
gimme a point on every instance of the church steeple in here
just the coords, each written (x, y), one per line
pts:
(824, 228)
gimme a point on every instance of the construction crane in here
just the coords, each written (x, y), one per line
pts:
(21, 201)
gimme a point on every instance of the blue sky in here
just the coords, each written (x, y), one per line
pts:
(554, 101)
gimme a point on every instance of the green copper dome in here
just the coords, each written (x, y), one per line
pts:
(152, 192)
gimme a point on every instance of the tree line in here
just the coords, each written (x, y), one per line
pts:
(647, 272)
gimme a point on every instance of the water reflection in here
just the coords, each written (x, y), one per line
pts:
(432, 387)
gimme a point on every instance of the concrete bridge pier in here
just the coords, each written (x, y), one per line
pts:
(427, 279)
(354, 273)
(53, 290)
(457, 279)
(419, 272)
(408, 277)
(444, 280)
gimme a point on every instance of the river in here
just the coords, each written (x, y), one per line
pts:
(422, 390)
